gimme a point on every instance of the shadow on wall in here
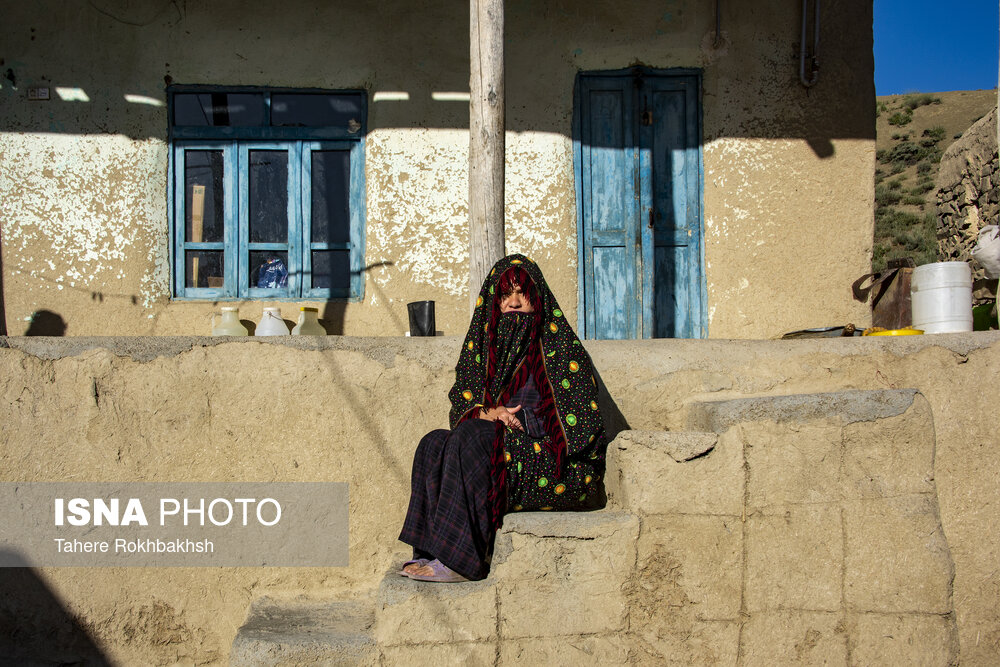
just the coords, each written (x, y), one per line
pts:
(46, 323)
(614, 420)
(333, 313)
(423, 75)
(34, 626)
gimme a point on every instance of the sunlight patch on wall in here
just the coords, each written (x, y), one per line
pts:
(390, 96)
(85, 212)
(72, 94)
(144, 99)
(540, 195)
(418, 207)
(418, 213)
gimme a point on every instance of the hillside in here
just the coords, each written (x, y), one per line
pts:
(912, 131)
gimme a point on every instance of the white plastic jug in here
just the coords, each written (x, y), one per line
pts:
(229, 324)
(308, 323)
(271, 324)
(941, 297)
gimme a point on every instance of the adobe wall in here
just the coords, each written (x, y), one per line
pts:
(788, 187)
(352, 409)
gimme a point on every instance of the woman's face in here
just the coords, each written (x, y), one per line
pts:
(515, 301)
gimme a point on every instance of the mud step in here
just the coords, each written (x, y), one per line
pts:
(553, 575)
(842, 407)
(305, 632)
(657, 472)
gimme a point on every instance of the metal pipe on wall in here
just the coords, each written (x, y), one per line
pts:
(814, 60)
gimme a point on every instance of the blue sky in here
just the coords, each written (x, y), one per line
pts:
(931, 46)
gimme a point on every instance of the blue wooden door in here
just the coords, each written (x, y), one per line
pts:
(637, 136)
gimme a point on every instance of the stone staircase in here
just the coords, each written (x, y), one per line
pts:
(788, 529)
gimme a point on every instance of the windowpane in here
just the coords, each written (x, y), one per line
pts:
(219, 109)
(268, 206)
(316, 110)
(331, 212)
(331, 268)
(205, 268)
(204, 196)
(268, 269)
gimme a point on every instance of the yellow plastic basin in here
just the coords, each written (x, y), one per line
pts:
(896, 332)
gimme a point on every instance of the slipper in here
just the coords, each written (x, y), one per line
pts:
(442, 574)
(419, 562)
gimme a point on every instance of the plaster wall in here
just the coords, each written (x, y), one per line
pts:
(788, 188)
(352, 410)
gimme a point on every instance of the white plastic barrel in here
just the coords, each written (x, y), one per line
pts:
(941, 297)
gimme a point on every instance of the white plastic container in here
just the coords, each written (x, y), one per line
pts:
(271, 324)
(941, 297)
(308, 323)
(229, 325)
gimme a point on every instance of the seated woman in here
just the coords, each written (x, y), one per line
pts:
(526, 433)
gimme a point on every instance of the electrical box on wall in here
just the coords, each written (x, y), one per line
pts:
(38, 93)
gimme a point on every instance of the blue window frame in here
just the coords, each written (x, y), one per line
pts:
(267, 193)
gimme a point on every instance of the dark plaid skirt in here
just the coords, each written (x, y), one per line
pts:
(448, 517)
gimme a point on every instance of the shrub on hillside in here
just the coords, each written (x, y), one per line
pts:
(935, 133)
(900, 118)
(886, 196)
(902, 234)
(909, 153)
(911, 102)
(906, 152)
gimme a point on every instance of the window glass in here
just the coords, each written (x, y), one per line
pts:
(331, 268)
(331, 210)
(204, 196)
(316, 110)
(263, 185)
(268, 269)
(268, 196)
(205, 268)
(219, 109)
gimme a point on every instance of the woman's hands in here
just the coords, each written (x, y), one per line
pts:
(503, 414)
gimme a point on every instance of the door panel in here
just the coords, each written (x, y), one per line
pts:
(608, 158)
(668, 314)
(612, 280)
(610, 210)
(638, 137)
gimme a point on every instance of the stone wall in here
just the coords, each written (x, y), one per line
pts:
(352, 409)
(968, 183)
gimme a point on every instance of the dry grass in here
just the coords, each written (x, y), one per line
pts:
(912, 131)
